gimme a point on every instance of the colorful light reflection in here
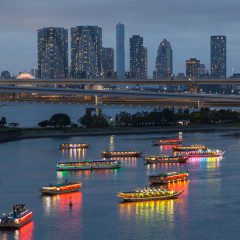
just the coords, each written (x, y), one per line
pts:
(60, 203)
(23, 233)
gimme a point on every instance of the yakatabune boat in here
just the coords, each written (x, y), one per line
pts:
(109, 154)
(204, 154)
(61, 188)
(165, 159)
(67, 146)
(19, 216)
(148, 194)
(189, 148)
(164, 178)
(88, 165)
(161, 142)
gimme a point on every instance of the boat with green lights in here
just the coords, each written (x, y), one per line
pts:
(65, 187)
(148, 194)
(152, 159)
(88, 165)
(170, 177)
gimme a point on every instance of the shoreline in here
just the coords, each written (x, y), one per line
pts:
(8, 135)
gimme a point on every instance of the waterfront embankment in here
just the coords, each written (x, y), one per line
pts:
(31, 133)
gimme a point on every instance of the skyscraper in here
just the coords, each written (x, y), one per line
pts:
(86, 52)
(53, 53)
(120, 47)
(138, 58)
(192, 67)
(108, 62)
(164, 60)
(218, 56)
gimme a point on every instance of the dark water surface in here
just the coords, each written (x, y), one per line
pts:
(208, 209)
(29, 114)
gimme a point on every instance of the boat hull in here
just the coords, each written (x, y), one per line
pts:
(121, 155)
(13, 225)
(152, 198)
(163, 182)
(48, 192)
(77, 168)
(166, 161)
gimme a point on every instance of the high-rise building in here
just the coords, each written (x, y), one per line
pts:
(120, 54)
(164, 60)
(53, 53)
(86, 52)
(192, 67)
(108, 62)
(138, 58)
(218, 56)
(5, 74)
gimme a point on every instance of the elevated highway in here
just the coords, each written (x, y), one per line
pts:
(124, 93)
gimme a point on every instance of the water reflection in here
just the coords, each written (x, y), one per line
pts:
(23, 233)
(88, 174)
(74, 154)
(211, 162)
(179, 186)
(111, 143)
(148, 211)
(167, 148)
(165, 167)
(60, 203)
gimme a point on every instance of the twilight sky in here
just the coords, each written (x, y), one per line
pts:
(187, 24)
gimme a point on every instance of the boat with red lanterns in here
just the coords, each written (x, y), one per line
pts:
(170, 177)
(152, 159)
(68, 146)
(19, 216)
(110, 154)
(170, 141)
(189, 148)
(61, 188)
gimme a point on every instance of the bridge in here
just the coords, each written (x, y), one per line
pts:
(199, 98)
(189, 82)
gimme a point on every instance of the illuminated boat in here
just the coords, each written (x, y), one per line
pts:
(61, 188)
(148, 194)
(68, 146)
(165, 178)
(161, 142)
(189, 148)
(88, 165)
(165, 159)
(204, 154)
(19, 216)
(110, 154)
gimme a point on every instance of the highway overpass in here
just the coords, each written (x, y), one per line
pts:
(124, 93)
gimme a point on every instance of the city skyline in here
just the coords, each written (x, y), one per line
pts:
(187, 41)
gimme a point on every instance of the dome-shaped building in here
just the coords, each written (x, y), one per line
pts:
(25, 75)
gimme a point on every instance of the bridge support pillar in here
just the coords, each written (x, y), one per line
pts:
(98, 101)
(194, 89)
(200, 103)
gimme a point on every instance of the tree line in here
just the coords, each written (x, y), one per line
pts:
(161, 117)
